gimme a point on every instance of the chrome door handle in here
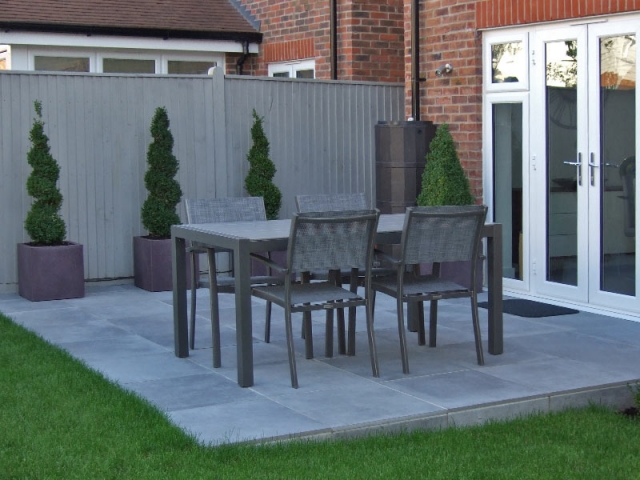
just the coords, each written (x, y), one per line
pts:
(578, 166)
(592, 165)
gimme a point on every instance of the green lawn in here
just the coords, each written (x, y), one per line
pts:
(59, 419)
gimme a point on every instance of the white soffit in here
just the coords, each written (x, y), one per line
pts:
(105, 41)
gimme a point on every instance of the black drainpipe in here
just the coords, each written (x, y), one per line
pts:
(333, 41)
(415, 60)
(245, 54)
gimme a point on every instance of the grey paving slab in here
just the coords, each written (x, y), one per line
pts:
(464, 388)
(243, 421)
(354, 404)
(548, 364)
(142, 368)
(191, 391)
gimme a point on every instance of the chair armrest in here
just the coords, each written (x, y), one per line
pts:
(270, 263)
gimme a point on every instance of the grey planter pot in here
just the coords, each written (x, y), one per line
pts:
(50, 272)
(152, 264)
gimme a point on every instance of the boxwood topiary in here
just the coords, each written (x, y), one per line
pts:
(258, 181)
(159, 209)
(43, 223)
(444, 181)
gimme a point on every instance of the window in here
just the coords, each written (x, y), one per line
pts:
(298, 69)
(506, 63)
(60, 64)
(187, 67)
(128, 65)
(4, 54)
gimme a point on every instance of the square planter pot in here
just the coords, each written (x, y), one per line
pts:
(152, 264)
(50, 272)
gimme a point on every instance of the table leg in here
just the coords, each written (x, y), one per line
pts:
(179, 272)
(244, 334)
(494, 274)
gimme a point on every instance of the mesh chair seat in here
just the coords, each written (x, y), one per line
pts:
(435, 235)
(335, 203)
(324, 241)
(220, 210)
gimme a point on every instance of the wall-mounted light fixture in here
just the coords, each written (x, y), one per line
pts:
(446, 68)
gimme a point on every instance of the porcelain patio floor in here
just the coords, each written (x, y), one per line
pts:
(548, 364)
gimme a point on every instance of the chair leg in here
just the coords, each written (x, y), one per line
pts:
(215, 309)
(433, 322)
(308, 335)
(194, 286)
(402, 335)
(328, 342)
(419, 313)
(476, 330)
(351, 347)
(334, 277)
(290, 348)
(267, 323)
(373, 353)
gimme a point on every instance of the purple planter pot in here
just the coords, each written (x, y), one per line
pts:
(50, 272)
(152, 264)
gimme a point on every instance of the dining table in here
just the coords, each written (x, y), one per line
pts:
(243, 238)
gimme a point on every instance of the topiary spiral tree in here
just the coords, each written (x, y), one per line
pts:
(261, 170)
(443, 180)
(44, 224)
(159, 209)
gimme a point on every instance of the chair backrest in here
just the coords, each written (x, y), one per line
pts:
(332, 240)
(229, 209)
(331, 203)
(628, 177)
(442, 234)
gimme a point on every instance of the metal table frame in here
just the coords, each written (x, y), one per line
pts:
(242, 238)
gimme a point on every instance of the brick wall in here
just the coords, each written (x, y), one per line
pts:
(448, 35)
(370, 37)
(497, 13)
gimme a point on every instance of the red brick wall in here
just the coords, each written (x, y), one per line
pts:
(370, 36)
(497, 13)
(371, 40)
(448, 35)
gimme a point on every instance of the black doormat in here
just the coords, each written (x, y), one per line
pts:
(530, 309)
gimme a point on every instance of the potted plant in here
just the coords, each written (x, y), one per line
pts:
(445, 183)
(152, 253)
(49, 268)
(259, 181)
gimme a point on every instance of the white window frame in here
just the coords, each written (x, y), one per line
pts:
(292, 67)
(488, 174)
(101, 55)
(166, 58)
(495, 38)
(44, 52)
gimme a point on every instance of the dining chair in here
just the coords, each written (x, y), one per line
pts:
(341, 202)
(324, 241)
(219, 210)
(434, 235)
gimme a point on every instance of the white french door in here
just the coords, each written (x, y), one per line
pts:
(583, 146)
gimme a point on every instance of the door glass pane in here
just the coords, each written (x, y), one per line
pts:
(507, 188)
(128, 65)
(618, 167)
(61, 64)
(561, 149)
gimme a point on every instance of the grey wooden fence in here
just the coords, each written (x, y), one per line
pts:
(321, 135)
